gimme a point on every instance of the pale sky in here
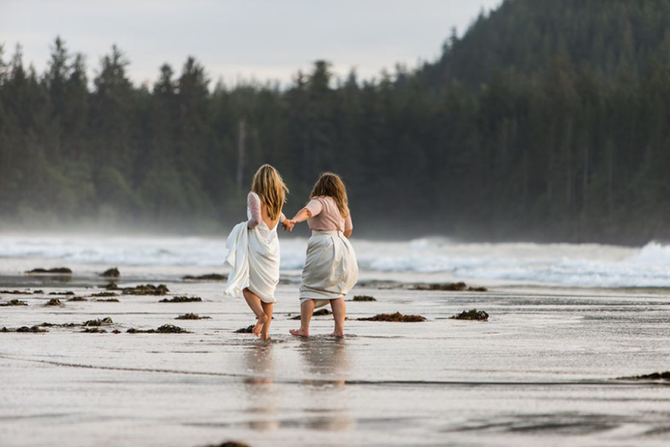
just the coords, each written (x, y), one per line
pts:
(239, 39)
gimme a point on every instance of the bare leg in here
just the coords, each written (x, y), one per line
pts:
(267, 308)
(306, 311)
(256, 306)
(339, 313)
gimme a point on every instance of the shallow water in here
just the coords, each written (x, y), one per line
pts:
(542, 371)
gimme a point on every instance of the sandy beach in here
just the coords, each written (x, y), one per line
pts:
(542, 370)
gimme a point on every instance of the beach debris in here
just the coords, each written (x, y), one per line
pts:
(181, 299)
(62, 293)
(93, 330)
(14, 303)
(472, 315)
(364, 298)
(111, 273)
(477, 289)
(395, 318)
(104, 295)
(207, 277)
(229, 444)
(318, 313)
(54, 302)
(33, 329)
(653, 376)
(165, 329)
(451, 287)
(116, 331)
(145, 289)
(112, 286)
(109, 300)
(98, 322)
(15, 292)
(78, 298)
(192, 317)
(245, 330)
(38, 292)
(54, 271)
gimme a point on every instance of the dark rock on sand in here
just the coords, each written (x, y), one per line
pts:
(62, 293)
(653, 376)
(208, 277)
(98, 322)
(364, 298)
(395, 318)
(146, 289)
(14, 303)
(104, 295)
(54, 302)
(111, 273)
(318, 313)
(245, 330)
(191, 317)
(165, 329)
(116, 331)
(181, 299)
(473, 315)
(55, 271)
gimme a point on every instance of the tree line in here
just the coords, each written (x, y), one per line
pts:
(545, 121)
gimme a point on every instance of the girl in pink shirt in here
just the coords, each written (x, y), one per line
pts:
(331, 269)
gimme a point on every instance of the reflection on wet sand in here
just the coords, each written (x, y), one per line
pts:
(262, 394)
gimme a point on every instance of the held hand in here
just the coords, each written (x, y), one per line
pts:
(287, 225)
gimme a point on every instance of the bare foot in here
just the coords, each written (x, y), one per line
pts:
(259, 325)
(337, 334)
(299, 333)
(265, 337)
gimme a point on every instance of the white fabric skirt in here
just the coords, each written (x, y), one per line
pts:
(255, 263)
(331, 268)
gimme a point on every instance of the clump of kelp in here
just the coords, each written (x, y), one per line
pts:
(19, 292)
(54, 271)
(98, 322)
(78, 298)
(229, 444)
(207, 277)
(165, 329)
(363, 298)
(472, 315)
(450, 287)
(395, 318)
(104, 295)
(318, 313)
(68, 293)
(245, 330)
(142, 289)
(181, 299)
(108, 300)
(13, 303)
(54, 302)
(33, 329)
(192, 317)
(658, 376)
(111, 273)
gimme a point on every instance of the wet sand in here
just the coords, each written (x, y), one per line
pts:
(541, 371)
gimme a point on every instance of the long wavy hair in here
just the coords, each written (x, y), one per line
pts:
(331, 185)
(270, 187)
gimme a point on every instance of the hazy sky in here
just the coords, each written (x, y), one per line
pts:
(260, 39)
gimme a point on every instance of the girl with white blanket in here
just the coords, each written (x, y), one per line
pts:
(253, 248)
(331, 269)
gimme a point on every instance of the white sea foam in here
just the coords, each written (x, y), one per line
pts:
(590, 265)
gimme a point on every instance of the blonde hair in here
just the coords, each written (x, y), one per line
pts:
(270, 187)
(331, 185)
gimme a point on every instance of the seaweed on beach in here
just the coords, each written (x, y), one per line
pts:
(450, 287)
(98, 322)
(395, 318)
(477, 289)
(318, 313)
(109, 300)
(15, 292)
(245, 330)
(54, 271)
(13, 303)
(93, 330)
(104, 295)
(54, 302)
(207, 277)
(111, 273)
(653, 376)
(145, 289)
(364, 298)
(68, 293)
(165, 329)
(229, 444)
(78, 298)
(192, 317)
(33, 329)
(181, 299)
(472, 315)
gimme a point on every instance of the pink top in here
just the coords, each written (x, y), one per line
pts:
(326, 216)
